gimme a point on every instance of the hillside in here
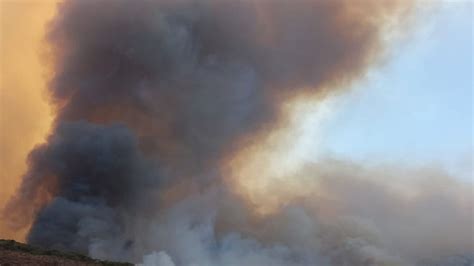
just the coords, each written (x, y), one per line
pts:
(14, 253)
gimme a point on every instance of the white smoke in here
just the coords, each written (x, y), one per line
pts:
(348, 215)
(157, 259)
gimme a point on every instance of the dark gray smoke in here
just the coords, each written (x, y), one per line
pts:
(152, 97)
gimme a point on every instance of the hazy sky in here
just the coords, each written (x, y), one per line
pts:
(417, 108)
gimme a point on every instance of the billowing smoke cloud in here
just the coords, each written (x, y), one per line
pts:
(153, 98)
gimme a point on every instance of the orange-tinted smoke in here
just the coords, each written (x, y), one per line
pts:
(25, 116)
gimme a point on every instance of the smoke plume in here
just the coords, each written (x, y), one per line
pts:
(153, 101)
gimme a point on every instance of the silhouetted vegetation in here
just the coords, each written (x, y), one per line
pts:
(20, 247)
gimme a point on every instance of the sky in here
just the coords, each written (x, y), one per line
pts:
(417, 107)
(25, 116)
